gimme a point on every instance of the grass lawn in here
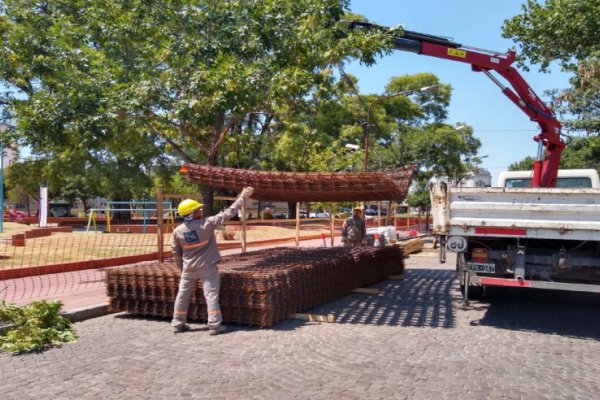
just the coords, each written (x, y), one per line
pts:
(13, 228)
(80, 246)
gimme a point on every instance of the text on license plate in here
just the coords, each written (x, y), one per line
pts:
(487, 268)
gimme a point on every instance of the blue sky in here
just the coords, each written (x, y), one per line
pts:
(505, 132)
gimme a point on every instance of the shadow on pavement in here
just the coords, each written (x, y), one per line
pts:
(552, 312)
(425, 298)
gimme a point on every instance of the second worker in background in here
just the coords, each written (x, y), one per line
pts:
(354, 230)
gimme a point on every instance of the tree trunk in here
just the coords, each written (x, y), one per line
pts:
(218, 131)
(120, 213)
(292, 210)
(389, 212)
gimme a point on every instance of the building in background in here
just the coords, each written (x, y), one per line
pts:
(480, 178)
(10, 154)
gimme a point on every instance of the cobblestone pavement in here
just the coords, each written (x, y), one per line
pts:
(413, 341)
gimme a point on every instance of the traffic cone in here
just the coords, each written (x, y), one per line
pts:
(323, 243)
(376, 240)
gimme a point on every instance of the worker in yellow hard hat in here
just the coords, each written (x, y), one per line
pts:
(188, 206)
(195, 252)
(354, 230)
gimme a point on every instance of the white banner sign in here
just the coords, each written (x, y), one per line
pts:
(43, 207)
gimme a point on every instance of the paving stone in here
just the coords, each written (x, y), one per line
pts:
(414, 340)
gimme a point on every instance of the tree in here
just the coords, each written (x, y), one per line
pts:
(525, 164)
(566, 31)
(23, 180)
(583, 152)
(131, 81)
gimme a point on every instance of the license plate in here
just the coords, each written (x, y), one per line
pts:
(486, 268)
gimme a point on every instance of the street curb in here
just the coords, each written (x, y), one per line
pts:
(81, 314)
(77, 315)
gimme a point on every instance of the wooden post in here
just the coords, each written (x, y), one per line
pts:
(107, 218)
(159, 225)
(243, 219)
(297, 224)
(332, 229)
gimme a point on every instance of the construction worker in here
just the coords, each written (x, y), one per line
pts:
(354, 231)
(195, 252)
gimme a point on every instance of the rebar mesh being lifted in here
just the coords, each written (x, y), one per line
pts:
(257, 288)
(307, 186)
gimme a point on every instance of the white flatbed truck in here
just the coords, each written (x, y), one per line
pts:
(544, 238)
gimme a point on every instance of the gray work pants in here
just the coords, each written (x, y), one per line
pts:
(209, 276)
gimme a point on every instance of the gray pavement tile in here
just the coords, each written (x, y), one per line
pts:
(414, 340)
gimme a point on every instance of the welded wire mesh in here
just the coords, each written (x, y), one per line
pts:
(307, 186)
(257, 288)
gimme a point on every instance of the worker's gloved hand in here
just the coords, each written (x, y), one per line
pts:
(247, 192)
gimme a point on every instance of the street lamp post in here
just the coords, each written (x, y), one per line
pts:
(368, 130)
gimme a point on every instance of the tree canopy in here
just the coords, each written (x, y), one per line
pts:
(111, 96)
(566, 32)
(136, 85)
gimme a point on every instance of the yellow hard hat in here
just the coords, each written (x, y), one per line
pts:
(357, 209)
(188, 206)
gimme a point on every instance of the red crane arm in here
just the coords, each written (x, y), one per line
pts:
(521, 94)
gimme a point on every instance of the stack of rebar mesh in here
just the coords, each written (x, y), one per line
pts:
(307, 186)
(257, 288)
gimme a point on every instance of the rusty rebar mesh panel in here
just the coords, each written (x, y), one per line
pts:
(307, 186)
(257, 288)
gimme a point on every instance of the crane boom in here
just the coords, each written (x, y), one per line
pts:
(545, 168)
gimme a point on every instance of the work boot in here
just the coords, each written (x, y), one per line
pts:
(181, 328)
(217, 330)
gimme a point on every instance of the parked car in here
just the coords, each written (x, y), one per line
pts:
(374, 213)
(286, 215)
(319, 214)
(59, 209)
(11, 214)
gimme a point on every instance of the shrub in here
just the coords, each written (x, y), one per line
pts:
(35, 326)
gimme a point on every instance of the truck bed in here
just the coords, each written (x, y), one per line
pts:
(566, 214)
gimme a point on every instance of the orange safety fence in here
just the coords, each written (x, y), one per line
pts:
(34, 267)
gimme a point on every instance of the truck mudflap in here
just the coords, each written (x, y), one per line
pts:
(523, 283)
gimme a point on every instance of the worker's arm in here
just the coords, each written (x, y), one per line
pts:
(345, 230)
(177, 252)
(231, 211)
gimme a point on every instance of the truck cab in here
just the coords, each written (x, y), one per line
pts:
(567, 178)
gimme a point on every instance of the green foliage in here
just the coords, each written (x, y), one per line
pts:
(120, 90)
(37, 326)
(419, 197)
(583, 152)
(24, 178)
(525, 164)
(568, 32)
